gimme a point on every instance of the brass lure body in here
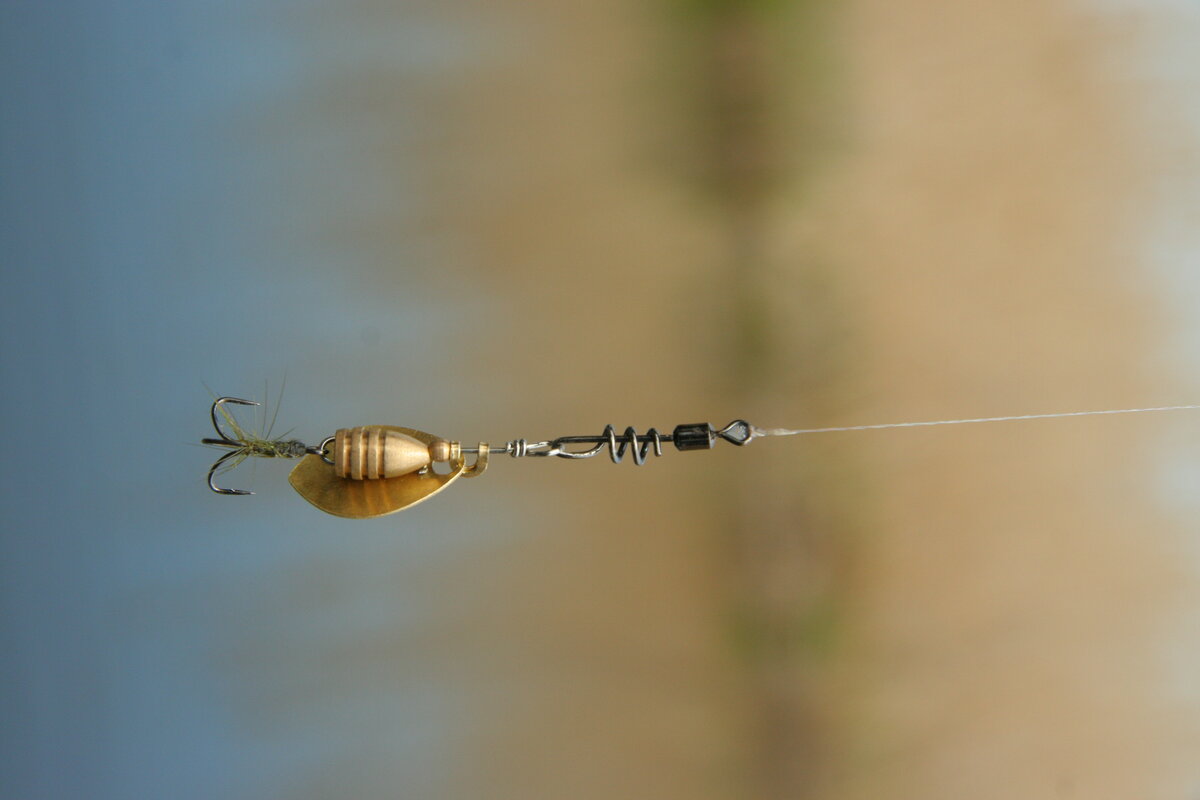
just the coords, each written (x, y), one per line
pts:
(380, 469)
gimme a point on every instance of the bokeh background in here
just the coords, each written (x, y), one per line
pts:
(504, 219)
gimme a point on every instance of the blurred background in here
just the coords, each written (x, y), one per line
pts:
(531, 219)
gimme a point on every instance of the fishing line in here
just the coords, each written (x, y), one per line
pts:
(802, 431)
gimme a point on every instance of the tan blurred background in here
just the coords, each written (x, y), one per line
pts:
(499, 220)
(875, 212)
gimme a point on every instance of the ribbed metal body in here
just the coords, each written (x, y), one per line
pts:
(372, 452)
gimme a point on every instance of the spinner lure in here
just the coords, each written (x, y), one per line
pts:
(375, 470)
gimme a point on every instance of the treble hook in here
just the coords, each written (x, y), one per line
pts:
(237, 446)
(243, 445)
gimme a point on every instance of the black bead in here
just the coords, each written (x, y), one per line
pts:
(697, 436)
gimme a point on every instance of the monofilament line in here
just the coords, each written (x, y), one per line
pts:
(797, 432)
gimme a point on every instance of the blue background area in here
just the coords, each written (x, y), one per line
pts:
(160, 641)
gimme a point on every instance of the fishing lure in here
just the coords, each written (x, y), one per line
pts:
(375, 470)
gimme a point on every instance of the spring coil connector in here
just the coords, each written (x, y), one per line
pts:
(617, 445)
(629, 440)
